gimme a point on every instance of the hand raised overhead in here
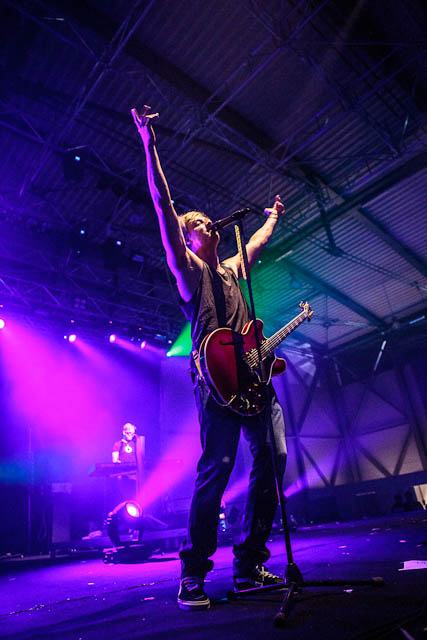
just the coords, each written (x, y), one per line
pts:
(277, 208)
(144, 122)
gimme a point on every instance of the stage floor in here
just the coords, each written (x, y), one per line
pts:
(85, 599)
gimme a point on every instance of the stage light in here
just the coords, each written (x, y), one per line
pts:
(80, 302)
(73, 164)
(380, 353)
(183, 344)
(127, 515)
(143, 344)
(2, 323)
(113, 337)
(113, 253)
(133, 509)
(72, 337)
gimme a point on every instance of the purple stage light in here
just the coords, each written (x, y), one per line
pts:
(133, 509)
(2, 323)
(72, 337)
(178, 461)
(113, 337)
(237, 489)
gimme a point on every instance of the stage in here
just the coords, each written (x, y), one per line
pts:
(81, 597)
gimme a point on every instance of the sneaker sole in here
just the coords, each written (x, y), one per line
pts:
(245, 585)
(194, 605)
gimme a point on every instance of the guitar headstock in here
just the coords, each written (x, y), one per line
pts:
(306, 309)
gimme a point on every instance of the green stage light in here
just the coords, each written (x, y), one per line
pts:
(182, 345)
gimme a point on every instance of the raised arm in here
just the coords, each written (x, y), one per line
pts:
(185, 266)
(260, 238)
(170, 229)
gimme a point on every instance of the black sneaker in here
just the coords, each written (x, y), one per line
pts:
(258, 577)
(191, 595)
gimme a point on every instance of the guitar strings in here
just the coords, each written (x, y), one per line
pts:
(251, 356)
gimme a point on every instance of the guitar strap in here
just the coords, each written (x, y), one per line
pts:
(195, 355)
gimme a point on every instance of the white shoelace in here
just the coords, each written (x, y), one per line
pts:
(265, 573)
(190, 583)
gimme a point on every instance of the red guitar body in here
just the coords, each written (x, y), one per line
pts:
(225, 357)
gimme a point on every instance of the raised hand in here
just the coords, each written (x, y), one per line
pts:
(278, 207)
(143, 123)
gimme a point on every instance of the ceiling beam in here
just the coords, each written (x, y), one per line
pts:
(363, 196)
(377, 228)
(105, 27)
(324, 287)
(402, 327)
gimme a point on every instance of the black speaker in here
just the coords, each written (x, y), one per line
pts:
(61, 512)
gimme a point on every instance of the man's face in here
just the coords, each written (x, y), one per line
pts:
(128, 432)
(199, 234)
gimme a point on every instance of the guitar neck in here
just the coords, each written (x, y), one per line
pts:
(270, 344)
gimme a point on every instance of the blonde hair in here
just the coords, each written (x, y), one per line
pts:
(186, 218)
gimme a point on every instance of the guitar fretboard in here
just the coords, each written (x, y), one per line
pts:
(270, 344)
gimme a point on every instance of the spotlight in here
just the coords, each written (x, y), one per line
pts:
(127, 515)
(143, 344)
(380, 353)
(133, 509)
(138, 258)
(112, 250)
(80, 302)
(112, 337)
(2, 323)
(72, 337)
(73, 164)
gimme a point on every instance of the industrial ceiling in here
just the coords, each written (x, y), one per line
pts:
(323, 102)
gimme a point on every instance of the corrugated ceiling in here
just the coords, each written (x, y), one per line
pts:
(323, 105)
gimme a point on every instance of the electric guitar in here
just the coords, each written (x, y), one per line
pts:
(229, 363)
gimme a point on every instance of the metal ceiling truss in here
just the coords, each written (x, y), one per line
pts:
(309, 277)
(348, 96)
(367, 193)
(224, 113)
(104, 27)
(362, 214)
(41, 300)
(413, 324)
(106, 60)
(54, 274)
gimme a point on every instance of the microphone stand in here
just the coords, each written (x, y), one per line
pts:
(293, 580)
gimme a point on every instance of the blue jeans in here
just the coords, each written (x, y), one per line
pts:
(220, 433)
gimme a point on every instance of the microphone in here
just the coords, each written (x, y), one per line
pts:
(224, 222)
